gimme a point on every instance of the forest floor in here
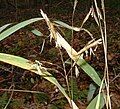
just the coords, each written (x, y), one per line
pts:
(25, 44)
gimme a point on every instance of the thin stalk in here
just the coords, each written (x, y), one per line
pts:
(74, 7)
(106, 61)
(104, 47)
(23, 91)
(9, 98)
(104, 38)
(71, 68)
(65, 73)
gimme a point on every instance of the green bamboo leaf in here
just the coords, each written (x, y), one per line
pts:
(67, 26)
(15, 60)
(36, 32)
(89, 70)
(92, 104)
(16, 27)
(25, 64)
(4, 27)
(28, 65)
(91, 92)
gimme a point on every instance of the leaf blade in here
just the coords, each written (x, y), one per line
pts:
(36, 32)
(94, 101)
(4, 27)
(91, 92)
(89, 71)
(26, 64)
(16, 27)
(66, 25)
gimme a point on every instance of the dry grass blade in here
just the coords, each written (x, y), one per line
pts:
(106, 58)
(86, 18)
(42, 46)
(93, 14)
(76, 72)
(75, 4)
(50, 26)
(102, 25)
(63, 43)
(88, 32)
(95, 43)
(98, 11)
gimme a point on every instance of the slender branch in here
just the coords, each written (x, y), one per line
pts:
(10, 97)
(89, 46)
(16, 90)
